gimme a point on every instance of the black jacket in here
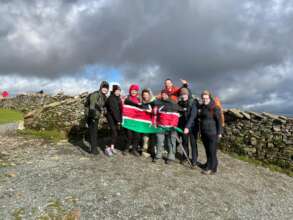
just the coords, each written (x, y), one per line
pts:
(114, 105)
(210, 119)
(189, 114)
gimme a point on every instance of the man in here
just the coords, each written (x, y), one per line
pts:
(95, 107)
(211, 131)
(188, 122)
(172, 90)
(165, 104)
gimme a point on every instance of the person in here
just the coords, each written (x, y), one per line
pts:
(133, 138)
(147, 103)
(211, 131)
(95, 107)
(114, 117)
(172, 90)
(166, 104)
(188, 122)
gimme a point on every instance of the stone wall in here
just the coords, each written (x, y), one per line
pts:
(261, 136)
(66, 115)
(28, 102)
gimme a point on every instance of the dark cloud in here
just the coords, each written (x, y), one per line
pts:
(240, 49)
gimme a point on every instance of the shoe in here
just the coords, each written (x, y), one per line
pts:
(108, 152)
(208, 172)
(135, 153)
(94, 151)
(113, 150)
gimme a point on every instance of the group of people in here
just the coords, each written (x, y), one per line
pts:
(196, 117)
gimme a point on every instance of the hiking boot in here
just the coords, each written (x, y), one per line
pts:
(208, 172)
(94, 151)
(135, 153)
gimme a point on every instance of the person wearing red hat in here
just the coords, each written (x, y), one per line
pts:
(5, 94)
(133, 138)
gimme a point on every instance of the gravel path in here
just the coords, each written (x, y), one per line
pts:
(42, 180)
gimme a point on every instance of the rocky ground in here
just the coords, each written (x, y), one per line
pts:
(43, 180)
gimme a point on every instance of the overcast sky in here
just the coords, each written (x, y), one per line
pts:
(241, 50)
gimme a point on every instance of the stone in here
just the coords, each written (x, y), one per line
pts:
(246, 115)
(253, 141)
(276, 128)
(236, 113)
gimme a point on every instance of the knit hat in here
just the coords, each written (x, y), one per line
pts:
(115, 87)
(104, 84)
(184, 91)
(133, 87)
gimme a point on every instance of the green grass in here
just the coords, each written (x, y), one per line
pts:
(272, 167)
(9, 116)
(52, 135)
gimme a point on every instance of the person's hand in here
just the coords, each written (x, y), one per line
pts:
(148, 110)
(183, 81)
(186, 131)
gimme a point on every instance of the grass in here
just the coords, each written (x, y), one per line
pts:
(51, 135)
(10, 116)
(272, 167)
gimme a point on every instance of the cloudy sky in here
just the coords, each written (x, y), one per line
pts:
(241, 50)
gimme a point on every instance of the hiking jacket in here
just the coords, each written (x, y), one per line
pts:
(210, 119)
(189, 114)
(114, 108)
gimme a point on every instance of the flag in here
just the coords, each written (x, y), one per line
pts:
(137, 119)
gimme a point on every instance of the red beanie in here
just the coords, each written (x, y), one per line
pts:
(133, 87)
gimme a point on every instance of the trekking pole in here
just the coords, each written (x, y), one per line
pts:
(183, 150)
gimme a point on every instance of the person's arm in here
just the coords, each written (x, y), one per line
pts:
(115, 110)
(217, 114)
(193, 115)
(92, 106)
(129, 102)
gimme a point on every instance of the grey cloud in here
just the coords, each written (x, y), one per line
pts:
(215, 44)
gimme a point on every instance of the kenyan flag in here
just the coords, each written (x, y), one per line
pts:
(139, 120)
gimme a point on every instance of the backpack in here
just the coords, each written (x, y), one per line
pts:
(218, 104)
(87, 104)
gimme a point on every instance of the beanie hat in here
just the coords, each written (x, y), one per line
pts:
(104, 84)
(115, 87)
(133, 87)
(184, 91)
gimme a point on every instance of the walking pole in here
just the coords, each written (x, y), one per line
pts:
(182, 148)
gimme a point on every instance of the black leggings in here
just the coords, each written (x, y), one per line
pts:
(133, 138)
(210, 143)
(114, 130)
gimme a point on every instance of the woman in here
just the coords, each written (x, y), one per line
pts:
(133, 138)
(147, 104)
(114, 117)
(211, 131)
